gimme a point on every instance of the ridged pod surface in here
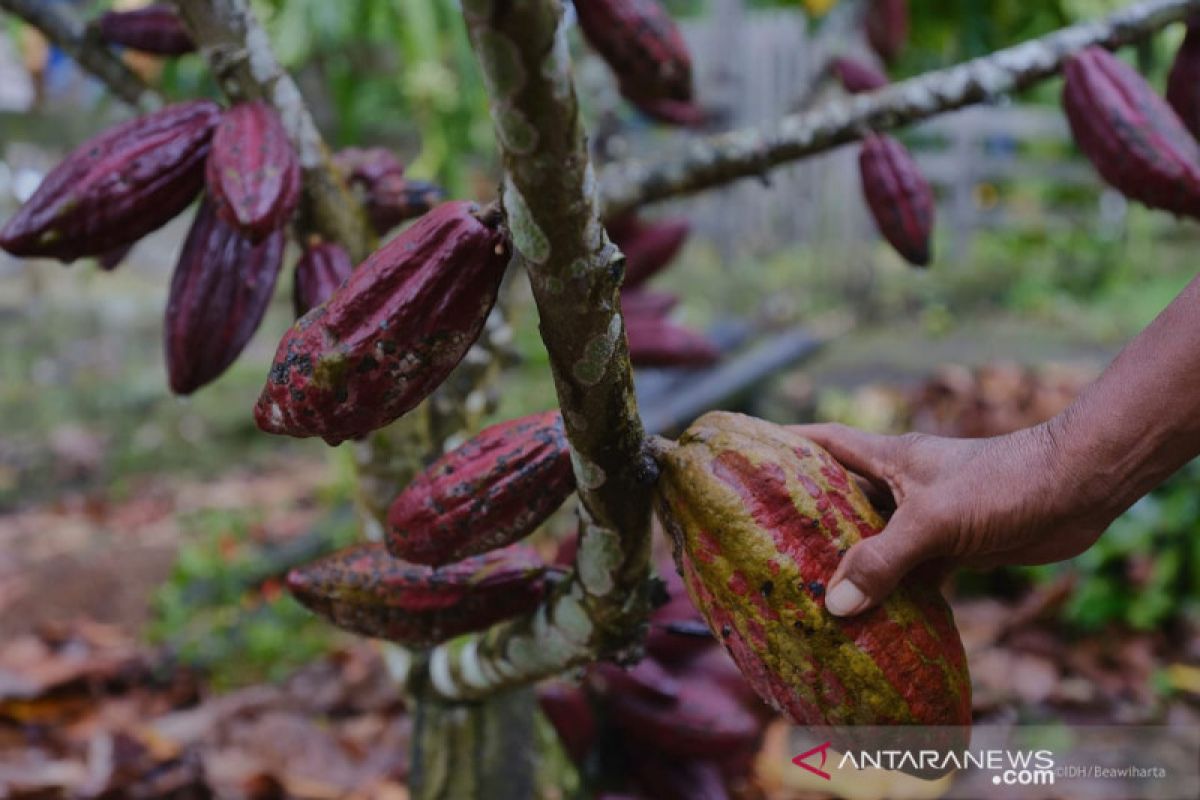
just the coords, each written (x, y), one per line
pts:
(900, 199)
(1132, 136)
(642, 44)
(253, 174)
(219, 293)
(648, 247)
(116, 187)
(319, 272)
(659, 342)
(155, 29)
(887, 28)
(760, 517)
(493, 490)
(392, 333)
(857, 76)
(1183, 82)
(364, 590)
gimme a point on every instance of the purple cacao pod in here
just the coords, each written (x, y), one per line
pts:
(1183, 83)
(319, 272)
(857, 76)
(887, 28)
(647, 303)
(116, 187)
(155, 29)
(658, 342)
(649, 247)
(900, 199)
(219, 293)
(253, 174)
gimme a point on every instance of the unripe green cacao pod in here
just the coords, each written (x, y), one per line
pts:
(760, 518)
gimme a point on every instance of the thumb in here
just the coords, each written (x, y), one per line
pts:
(871, 569)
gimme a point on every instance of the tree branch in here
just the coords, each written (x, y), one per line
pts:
(718, 160)
(549, 201)
(71, 34)
(241, 59)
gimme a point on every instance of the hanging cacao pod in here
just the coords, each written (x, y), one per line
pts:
(253, 174)
(388, 196)
(887, 28)
(642, 45)
(647, 303)
(569, 711)
(760, 518)
(1183, 83)
(681, 113)
(219, 293)
(392, 333)
(900, 199)
(155, 29)
(367, 165)
(488, 493)
(1132, 136)
(117, 187)
(658, 342)
(648, 247)
(319, 272)
(857, 76)
(364, 590)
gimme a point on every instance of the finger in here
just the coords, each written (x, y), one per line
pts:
(869, 454)
(871, 569)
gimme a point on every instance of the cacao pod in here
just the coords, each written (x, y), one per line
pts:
(659, 778)
(569, 711)
(319, 272)
(1183, 83)
(392, 333)
(677, 631)
(648, 247)
(647, 680)
(219, 293)
(900, 199)
(113, 258)
(253, 174)
(857, 76)
(681, 113)
(760, 518)
(887, 28)
(388, 196)
(367, 165)
(642, 45)
(658, 342)
(493, 490)
(116, 187)
(155, 29)
(647, 303)
(364, 590)
(1132, 136)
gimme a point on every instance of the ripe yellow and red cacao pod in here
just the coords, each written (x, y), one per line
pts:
(1132, 136)
(647, 303)
(155, 29)
(569, 711)
(659, 342)
(1183, 82)
(493, 490)
(116, 187)
(364, 590)
(648, 247)
(642, 45)
(900, 199)
(219, 293)
(887, 28)
(857, 76)
(760, 517)
(319, 272)
(393, 331)
(253, 174)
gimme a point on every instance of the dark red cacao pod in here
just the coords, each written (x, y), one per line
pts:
(155, 29)
(392, 333)
(116, 187)
(1132, 136)
(647, 679)
(367, 165)
(649, 247)
(681, 113)
(570, 712)
(658, 342)
(647, 303)
(887, 28)
(389, 197)
(319, 272)
(364, 590)
(857, 76)
(642, 44)
(1183, 83)
(488, 493)
(900, 199)
(113, 258)
(219, 293)
(253, 174)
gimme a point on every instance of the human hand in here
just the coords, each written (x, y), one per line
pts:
(1014, 499)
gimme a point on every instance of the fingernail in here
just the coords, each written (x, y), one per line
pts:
(845, 600)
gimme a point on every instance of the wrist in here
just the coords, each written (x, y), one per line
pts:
(1092, 473)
